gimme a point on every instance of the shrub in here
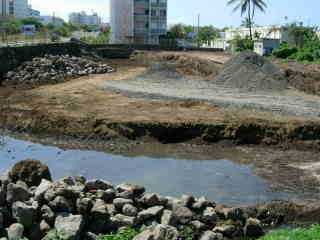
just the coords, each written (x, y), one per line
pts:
(312, 233)
(284, 51)
(125, 234)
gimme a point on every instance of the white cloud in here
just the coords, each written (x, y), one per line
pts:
(62, 8)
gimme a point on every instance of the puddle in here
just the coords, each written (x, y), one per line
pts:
(219, 179)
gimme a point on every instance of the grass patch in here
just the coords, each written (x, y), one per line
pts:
(124, 234)
(311, 233)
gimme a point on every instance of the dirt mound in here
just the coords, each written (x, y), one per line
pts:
(252, 72)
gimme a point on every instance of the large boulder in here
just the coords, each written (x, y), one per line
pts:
(70, 226)
(17, 192)
(15, 231)
(30, 171)
(24, 213)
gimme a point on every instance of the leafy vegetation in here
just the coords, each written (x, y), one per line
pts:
(303, 44)
(205, 33)
(55, 235)
(312, 233)
(186, 233)
(102, 38)
(241, 44)
(124, 234)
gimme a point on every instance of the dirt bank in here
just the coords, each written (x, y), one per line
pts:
(84, 108)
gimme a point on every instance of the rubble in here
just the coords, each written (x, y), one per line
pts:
(52, 69)
(77, 209)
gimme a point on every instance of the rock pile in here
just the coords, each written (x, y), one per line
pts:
(53, 69)
(252, 72)
(78, 208)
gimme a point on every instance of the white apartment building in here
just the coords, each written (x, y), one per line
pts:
(19, 8)
(56, 21)
(268, 32)
(138, 21)
(33, 13)
(81, 18)
(4, 8)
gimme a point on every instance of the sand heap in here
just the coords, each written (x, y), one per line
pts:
(251, 72)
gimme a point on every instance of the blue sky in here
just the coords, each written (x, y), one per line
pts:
(214, 12)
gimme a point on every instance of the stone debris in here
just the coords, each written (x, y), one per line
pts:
(78, 209)
(52, 69)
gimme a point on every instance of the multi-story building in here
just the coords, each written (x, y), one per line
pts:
(18, 8)
(4, 8)
(138, 21)
(33, 13)
(269, 32)
(81, 18)
(56, 21)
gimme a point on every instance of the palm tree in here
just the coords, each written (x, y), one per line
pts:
(249, 7)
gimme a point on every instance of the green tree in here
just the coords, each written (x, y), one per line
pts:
(248, 7)
(246, 23)
(207, 33)
(178, 31)
(11, 26)
(32, 21)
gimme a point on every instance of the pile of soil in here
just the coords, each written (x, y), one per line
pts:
(304, 77)
(53, 69)
(252, 72)
(183, 64)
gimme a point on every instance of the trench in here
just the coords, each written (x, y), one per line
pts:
(227, 175)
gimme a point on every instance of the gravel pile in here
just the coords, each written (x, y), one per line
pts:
(33, 206)
(54, 69)
(252, 72)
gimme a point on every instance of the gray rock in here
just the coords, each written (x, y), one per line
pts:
(209, 235)
(84, 205)
(198, 226)
(129, 210)
(15, 231)
(150, 199)
(41, 189)
(97, 184)
(100, 209)
(168, 218)
(90, 236)
(136, 190)
(70, 225)
(187, 201)
(183, 214)
(121, 220)
(47, 214)
(106, 195)
(253, 228)
(145, 235)
(120, 202)
(202, 203)
(235, 214)
(226, 230)
(150, 213)
(61, 204)
(209, 216)
(23, 213)
(165, 232)
(2, 196)
(44, 227)
(16, 193)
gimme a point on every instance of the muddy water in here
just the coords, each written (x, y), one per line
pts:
(220, 179)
